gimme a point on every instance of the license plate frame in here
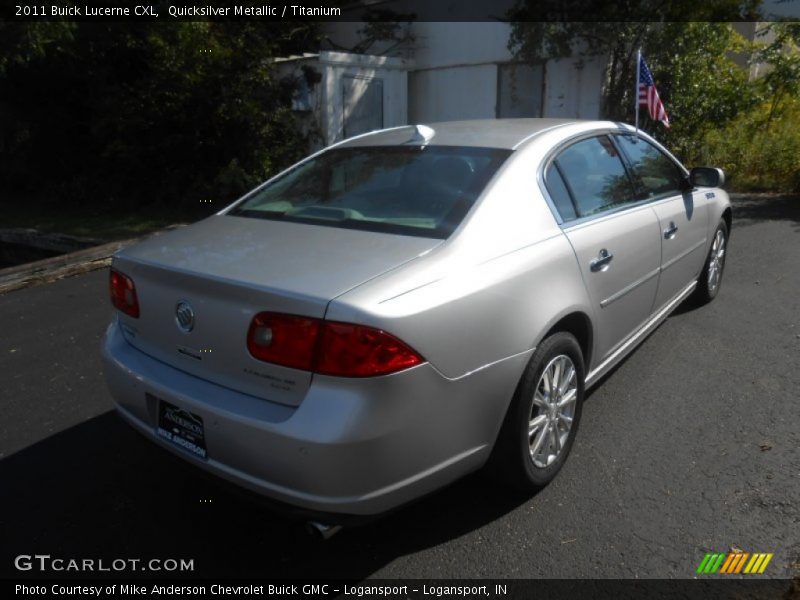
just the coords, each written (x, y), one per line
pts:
(182, 428)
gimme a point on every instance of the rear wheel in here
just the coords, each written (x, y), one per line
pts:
(541, 423)
(710, 279)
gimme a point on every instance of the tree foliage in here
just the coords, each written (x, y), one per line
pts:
(761, 146)
(128, 115)
(702, 86)
(782, 57)
(690, 51)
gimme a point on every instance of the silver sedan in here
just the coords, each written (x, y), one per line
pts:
(409, 305)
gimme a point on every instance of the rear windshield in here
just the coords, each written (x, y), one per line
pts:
(411, 190)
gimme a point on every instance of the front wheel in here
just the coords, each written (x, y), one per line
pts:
(710, 279)
(541, 423)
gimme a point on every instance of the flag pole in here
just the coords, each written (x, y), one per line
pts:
(636, 86)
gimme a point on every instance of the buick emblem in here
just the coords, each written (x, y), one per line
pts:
(184, 316)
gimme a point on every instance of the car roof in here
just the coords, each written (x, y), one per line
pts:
(485, 133)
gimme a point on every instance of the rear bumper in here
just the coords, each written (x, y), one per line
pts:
(354, 446)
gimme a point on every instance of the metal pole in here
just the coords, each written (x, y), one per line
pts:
(636, 86)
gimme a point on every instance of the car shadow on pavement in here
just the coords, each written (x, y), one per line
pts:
(99, 490)
(751, 209)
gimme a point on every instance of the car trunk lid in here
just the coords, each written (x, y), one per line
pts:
(227, 269)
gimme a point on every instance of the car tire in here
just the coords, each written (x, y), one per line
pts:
(710, 279)
(520, 456)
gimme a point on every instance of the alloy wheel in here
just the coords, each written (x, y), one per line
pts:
(553, 411)
(716, 260)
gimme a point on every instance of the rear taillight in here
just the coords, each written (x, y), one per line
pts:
(357, 351)
(327, 347)
(286, 340)
(123, 294)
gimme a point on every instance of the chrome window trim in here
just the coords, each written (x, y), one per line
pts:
(630, 287)
(576, 224)
(580, 221)
(684, 254)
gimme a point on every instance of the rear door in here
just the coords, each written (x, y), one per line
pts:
(616, 240)
(682, 214)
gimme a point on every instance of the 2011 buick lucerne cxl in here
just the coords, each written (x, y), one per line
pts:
(403, 307)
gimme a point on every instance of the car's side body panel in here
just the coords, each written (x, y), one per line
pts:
(719, 205)
(477, 314)
(622, 290)
(489, 291)
(683, 226)
(679, 264)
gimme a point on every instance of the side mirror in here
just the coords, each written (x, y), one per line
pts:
(707, 177)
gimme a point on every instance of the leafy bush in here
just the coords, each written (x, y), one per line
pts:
(758, 153)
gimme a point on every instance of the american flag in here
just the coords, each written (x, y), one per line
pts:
(648, 94)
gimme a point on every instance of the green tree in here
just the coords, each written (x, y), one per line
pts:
(140, 113)
(761, 146)
(701, 85)
(782, 56)
(689, 53)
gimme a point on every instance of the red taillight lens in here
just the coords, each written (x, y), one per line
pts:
(123, 294)
(357, 351)
(326, 347)
(286, 340)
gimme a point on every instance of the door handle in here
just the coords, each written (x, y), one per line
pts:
(601, 262)
(670, 231)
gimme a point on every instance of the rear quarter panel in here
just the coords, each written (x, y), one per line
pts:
(491, 291)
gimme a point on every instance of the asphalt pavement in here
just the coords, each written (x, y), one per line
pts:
(692, 445)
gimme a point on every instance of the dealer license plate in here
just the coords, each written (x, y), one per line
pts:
(182, 428)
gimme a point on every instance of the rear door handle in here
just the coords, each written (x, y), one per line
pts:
(670, 231)
(601, 262)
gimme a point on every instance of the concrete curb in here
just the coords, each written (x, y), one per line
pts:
(58, 267)
(67, 265)
(57, 242)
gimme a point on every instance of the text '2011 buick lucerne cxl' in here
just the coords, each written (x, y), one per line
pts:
(408, 305)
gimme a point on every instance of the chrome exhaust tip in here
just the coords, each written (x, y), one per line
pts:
(321, 530)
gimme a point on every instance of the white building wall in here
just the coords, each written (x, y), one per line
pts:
(439, 45)
(452, 93)
(573, 88)
(453, 74)
(336, 65)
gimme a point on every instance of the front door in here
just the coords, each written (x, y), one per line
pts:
(682, 215)
(684, 243)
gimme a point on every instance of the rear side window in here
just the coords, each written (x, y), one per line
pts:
(595, 176)
(657, 173)
(412, 190)
(559, 193)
